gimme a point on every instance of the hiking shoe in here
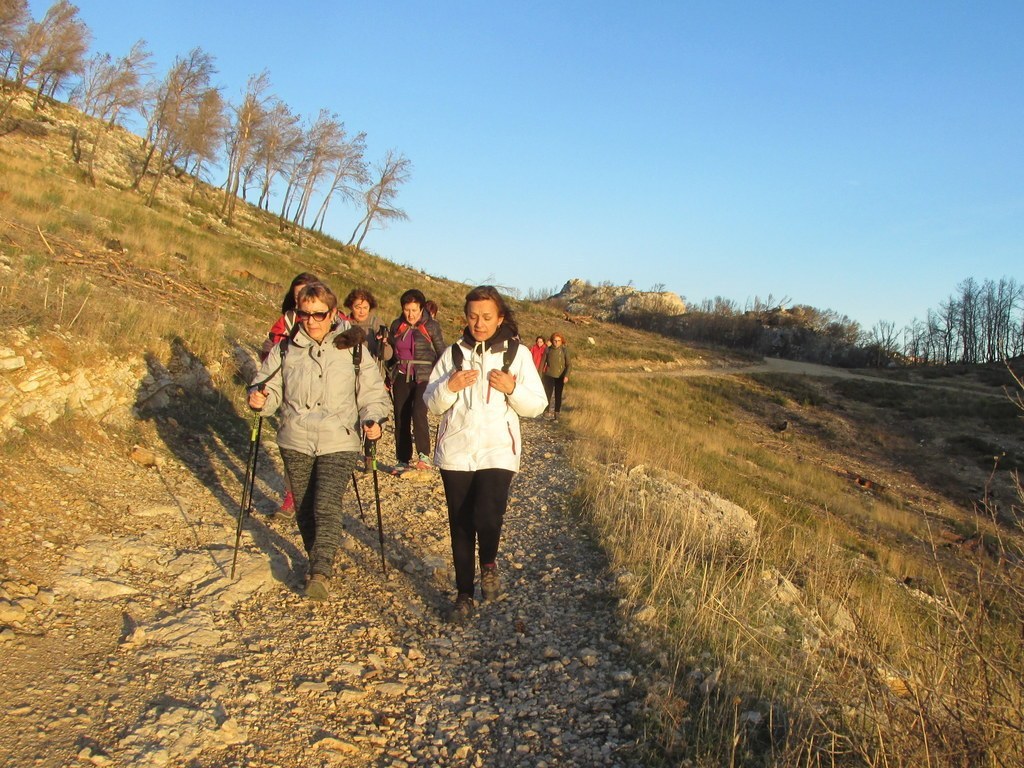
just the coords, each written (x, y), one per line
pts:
(422, 462)
(490, 582)
(399, 467)
(287, 508)
(463, 609)
(318, 587)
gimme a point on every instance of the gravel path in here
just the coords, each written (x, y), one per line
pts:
(140, 651)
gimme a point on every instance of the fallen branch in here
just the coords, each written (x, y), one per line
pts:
(43, 238)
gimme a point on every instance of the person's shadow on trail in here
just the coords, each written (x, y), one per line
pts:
(203, 431)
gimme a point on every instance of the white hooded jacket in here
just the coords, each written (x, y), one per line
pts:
(480, 426)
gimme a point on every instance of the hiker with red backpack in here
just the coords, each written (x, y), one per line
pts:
(417, 340)
(327, 403)
(480, 387)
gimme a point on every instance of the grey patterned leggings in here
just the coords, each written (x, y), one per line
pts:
(318, 483)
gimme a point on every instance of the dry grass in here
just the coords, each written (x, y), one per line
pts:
(819, 652)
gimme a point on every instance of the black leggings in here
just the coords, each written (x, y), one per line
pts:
(553, 387)
(476, 510)
(410, 418)
(318, 483)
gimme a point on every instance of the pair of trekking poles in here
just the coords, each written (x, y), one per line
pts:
(245, 505)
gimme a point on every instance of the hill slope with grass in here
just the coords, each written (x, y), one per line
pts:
(712, 560)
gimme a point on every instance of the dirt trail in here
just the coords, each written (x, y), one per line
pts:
(799, 368)
(136, 649)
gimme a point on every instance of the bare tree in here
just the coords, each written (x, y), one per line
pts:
(349, 169)
(278, 141)
(43, 52)
(204, 132)
(108, 89)
(14, 17)
(66, 42)
(176, 106)
(379, 199)
(325, 142)
(242, 138)
(884, 339)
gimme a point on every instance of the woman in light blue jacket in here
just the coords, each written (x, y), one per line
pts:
(480, 398)
(325, 410)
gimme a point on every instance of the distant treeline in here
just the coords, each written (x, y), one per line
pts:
(266, 149)
(981, 322)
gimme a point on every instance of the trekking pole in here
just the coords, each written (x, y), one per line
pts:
(355, 487)
(376, 497)
(245, 506)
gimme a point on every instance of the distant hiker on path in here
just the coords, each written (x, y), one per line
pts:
(418, 342)
(480, 387)
(280, 331)
(325, 410)
(556, 372)
(361, 304)
(537, 350)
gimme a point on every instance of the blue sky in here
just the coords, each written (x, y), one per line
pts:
(863, 157)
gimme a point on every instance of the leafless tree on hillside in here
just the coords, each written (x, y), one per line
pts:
(278, 141)
(204, 134)
(43, 53)
(325, 144)
(349, 169)
(67, 41)
(177, 104)
(14, 17)
(379, 199)
(242, 138)
(108, 90)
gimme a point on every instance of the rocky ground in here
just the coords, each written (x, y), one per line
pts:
(126, 643)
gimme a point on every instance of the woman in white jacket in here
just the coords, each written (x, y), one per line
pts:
(478, 444)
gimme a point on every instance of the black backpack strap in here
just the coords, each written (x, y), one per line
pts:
(511, 347)
(457, 356)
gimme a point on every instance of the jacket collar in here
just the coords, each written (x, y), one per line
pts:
(498, 340)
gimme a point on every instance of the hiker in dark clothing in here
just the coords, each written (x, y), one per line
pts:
(556, 372)
(417, 340)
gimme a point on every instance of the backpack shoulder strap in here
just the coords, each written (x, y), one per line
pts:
(511, 347)
(457, 356)
(357, 357)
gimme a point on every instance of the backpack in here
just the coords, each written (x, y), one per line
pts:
(511, 347)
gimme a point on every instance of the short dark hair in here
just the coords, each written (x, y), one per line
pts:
(413, 295)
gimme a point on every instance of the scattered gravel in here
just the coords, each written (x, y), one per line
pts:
(136, 648)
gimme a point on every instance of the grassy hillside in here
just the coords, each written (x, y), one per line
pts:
(873, 616)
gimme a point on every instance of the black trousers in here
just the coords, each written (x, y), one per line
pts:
(410, 418)
(553, 388)
(318, 483)
(476, 510)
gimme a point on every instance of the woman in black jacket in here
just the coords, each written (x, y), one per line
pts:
(417, 340)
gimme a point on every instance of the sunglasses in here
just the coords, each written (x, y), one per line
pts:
(318, 316)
